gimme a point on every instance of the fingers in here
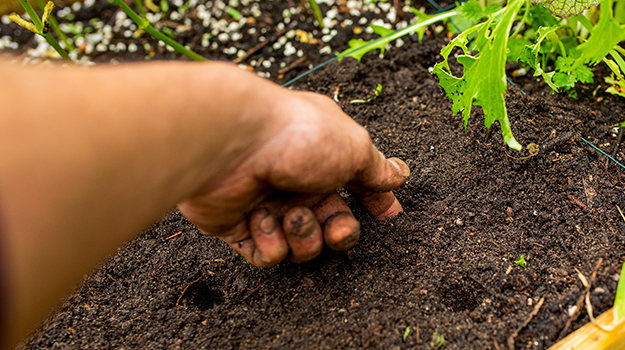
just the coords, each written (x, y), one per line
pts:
(303, 234)
(380, 205)
(340, 229)
(378, 174)
(271, 245)
(262, 243)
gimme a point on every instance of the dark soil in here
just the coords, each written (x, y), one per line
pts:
(445, 266)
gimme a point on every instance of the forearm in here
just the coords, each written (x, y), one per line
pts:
(90, 157)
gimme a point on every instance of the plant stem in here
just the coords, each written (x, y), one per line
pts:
(55, 44)
(316, 12)
(55, 26)
(148, 28)
(39, 26)
(32, 14)
(140, 7)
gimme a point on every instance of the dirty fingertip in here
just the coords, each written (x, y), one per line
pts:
(400, 167)
(341, 231)
(381, 205)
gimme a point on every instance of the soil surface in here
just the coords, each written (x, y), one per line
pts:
(444, 268)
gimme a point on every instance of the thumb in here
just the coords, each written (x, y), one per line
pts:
(379, 174)
(373, 184)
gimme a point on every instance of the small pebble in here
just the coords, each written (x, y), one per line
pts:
(289, 49)
(223, 37)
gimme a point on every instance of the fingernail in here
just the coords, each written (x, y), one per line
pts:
(268, 225)
(343, 226)
(400, 167)
(302, 227)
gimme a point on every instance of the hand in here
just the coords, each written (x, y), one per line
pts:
(281, 201)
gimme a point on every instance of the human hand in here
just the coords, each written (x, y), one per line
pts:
(281, 200)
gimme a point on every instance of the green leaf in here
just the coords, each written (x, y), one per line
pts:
(236, 15)
(362, 44)
(420, 18)
(438, 340)
(406, 332)
(521, 262)
(605, 35)
(516, 49)
(563, 80)
(360, 47)
(619, 300)
(566, 8)
(529, 55)
(484, 81)
(379, 30)
(539, 16)
(472, 10)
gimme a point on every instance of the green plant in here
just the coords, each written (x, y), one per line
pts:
(406, 332)
(54, 24)
(521, 262)
(438, 340)
(316, 12)
(41, 25)
(145, 25)
(566, 45)
(377, 92)
(358, 47)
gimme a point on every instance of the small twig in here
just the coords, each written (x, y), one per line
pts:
(253, 50)
(174, 235)
(619, 210)
(548, 146)
(496, 344)
(253, 291)
(185, 290)
(580, 301)
(527, 321)
(295, 296)
(576, 201)
(293, 65)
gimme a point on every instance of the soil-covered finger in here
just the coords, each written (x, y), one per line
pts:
(379, 174)
(341, 231)
(329, 206)
(380, 205)
(303, 234)
(270, 244)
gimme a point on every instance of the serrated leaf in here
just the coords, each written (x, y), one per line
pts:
(566, 8)
(529, 55)
(583, 74)
(380, 30)
(484, 81)
(472, 10)
(420, 17)
(564, 63)
(359, 43)
(359, 47)
(564, 80)
(605, 35)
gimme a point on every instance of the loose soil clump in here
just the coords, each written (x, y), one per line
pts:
(443, 267)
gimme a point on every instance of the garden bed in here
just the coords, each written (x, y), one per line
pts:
(445, 267)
